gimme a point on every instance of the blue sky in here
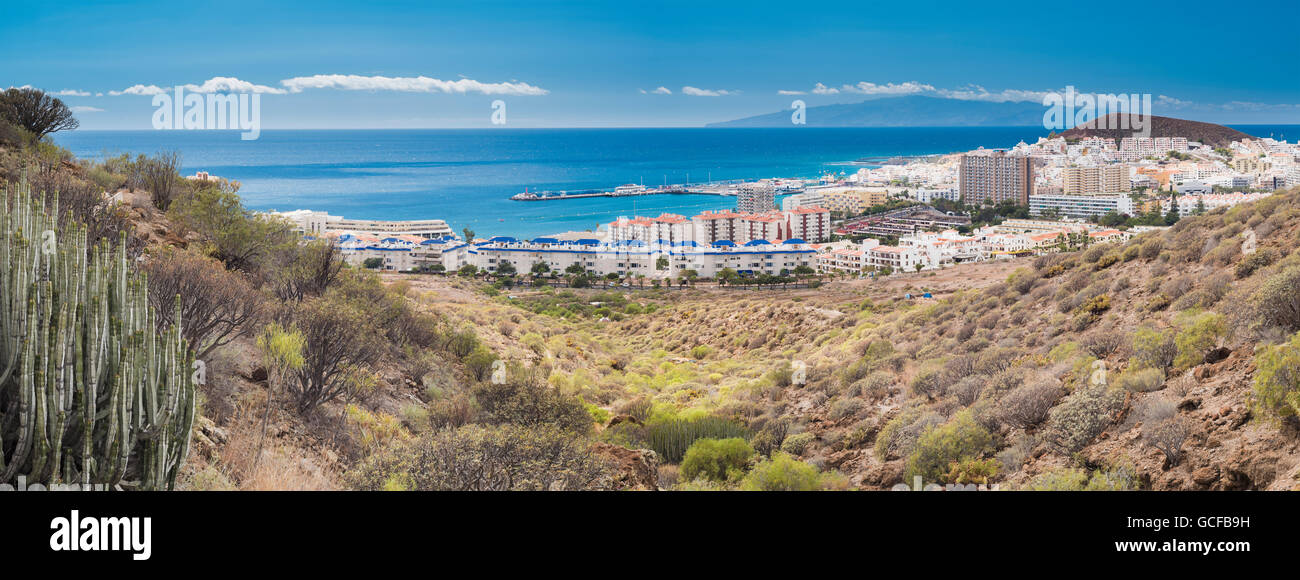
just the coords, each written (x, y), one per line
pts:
(330, 64)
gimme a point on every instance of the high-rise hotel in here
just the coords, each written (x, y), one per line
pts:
(991, 177)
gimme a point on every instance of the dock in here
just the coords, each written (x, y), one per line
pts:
(729, 187)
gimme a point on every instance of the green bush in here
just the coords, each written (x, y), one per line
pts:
(1159, 302)
(1151, 249)
(716, 459)
(782, 473)
(1095, 305)
(958, 440)
(1117, 478)
(482, 458)
(798, 443)
(972, 471)
(1248, 265)
(1063, 479)
(1131, 253)
(929, 382)
(530, 402)
(670, 438)
(1277, 302)
(1201, 331)
(1277, 379)
(1142, 380)
(1107, 261)
(1154, 348)
(1022, 280)
(1083, 415)
(845, 408)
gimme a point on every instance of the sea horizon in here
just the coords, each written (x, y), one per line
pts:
(466, 176)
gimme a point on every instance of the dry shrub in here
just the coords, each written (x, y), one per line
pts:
(1105, 342)
(279, 467)
(1176, 287)
(1164, 429)
(968, 389)
(1029, 405)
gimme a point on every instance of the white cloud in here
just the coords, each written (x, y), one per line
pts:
(970, 93)
(145, 90)
(1253, 106)
(907, 88)
(80, 109)
(72, 93)
(212, 85)
(420, 84)
(821, 89)
(231, 85)
(784, 92)
(695, 92)
(1168, 101)
(978, 93)
(662, 91)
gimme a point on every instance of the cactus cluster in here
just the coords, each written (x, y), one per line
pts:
(91, 392)
(671, 438)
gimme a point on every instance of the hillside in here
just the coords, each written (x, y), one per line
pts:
(1068, 371)
(1165, 363)
(1207, 133)
(909, 111)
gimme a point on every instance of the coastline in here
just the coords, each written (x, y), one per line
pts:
(465, 176)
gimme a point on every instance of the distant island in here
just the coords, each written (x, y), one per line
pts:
(909, 111)
(923, 111)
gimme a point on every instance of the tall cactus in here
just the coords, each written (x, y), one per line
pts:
(90, 391)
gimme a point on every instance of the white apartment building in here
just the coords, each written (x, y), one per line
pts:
(813, 198)
(401, 253)
(1080, 206)
(927, 250)
(925, 195)
(808, 223)
(670, 228)
(1153, 145)
(634, 257)
(317, 223)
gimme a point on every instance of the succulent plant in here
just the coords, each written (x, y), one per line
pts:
(91, 391)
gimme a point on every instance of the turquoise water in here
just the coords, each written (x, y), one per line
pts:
(466, 176)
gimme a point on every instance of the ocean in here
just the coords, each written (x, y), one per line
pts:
(467, 176)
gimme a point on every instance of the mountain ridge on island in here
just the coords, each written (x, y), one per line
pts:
(906, 111)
